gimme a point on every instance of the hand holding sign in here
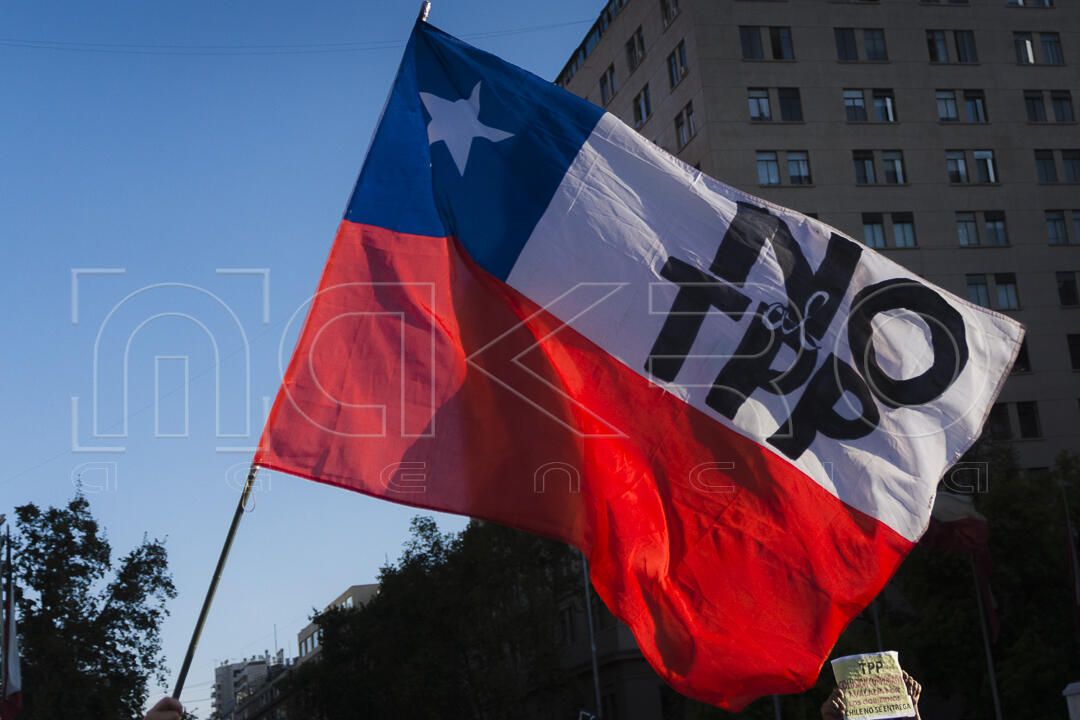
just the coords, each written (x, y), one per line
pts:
(871, 687)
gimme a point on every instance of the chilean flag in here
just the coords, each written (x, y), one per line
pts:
(533, 315)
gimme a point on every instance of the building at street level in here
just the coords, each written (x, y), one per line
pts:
(942, 133)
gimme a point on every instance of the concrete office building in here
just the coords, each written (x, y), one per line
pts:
(941, 132)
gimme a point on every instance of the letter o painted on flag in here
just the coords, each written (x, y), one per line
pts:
(948, 339)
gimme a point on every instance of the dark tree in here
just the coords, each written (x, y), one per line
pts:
(89, 626)
(463, 626)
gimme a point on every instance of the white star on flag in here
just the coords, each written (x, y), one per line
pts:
(457, 123)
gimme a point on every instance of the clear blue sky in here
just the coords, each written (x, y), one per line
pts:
(171, 140)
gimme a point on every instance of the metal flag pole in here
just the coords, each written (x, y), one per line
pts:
(214, 581)
(592, 636)
(776, 707)
(1074, 562)
(877, 625)
(986, 642)
(3, 614)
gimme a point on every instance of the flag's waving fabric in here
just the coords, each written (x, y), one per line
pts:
(533, 315)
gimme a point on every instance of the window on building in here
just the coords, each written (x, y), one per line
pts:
(790, 104)
(884, 105)
(1027, 417)
(758, 98)
(965, 46)
(1070, 159)
(985, 169)
(967, 231)
(1007, 296)
(1055, 227)
(676, 63)
(750, 36)
(1030, 3)
(946, 106)
(1051, 48)
(978, 292)
(768, 168)
(998, 425)
(996, 233)
(936, 45)
(864, 167)
(685, 126)
(642, 107)
(845, 44)
(1023, 360)
(956, 166)
(607, 85)
(635, 49)
(798, 162)
(1025, 48)
(874, 43)
(903, 225)
(1068, 295)
(1045, 167)
(975, 104)
(1073, 343)
(1076, 225)
(1061, 100)
(780, 38)
(1033, 103)
(893, 164)
(668, 10)
(873, 230)
(854, 106)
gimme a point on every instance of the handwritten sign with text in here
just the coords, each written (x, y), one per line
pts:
(873, 686)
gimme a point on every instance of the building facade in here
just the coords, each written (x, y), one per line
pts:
(942, 133)
(309, 638)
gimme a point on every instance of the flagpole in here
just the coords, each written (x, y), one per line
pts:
(1071, 539)
(214, 581)
(592, 636)
(986, 642)
(5, 538)
(877, 625)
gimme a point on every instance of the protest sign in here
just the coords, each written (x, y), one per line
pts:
(873, 686)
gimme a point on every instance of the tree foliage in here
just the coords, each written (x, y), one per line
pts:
(89, 626)
(463, 625)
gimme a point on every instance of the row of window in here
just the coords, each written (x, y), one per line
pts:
(868, 44)
(882, 105)
(973, 229)
(1072, 345)
(985, 228)
(1006, 296)
(886, 167)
